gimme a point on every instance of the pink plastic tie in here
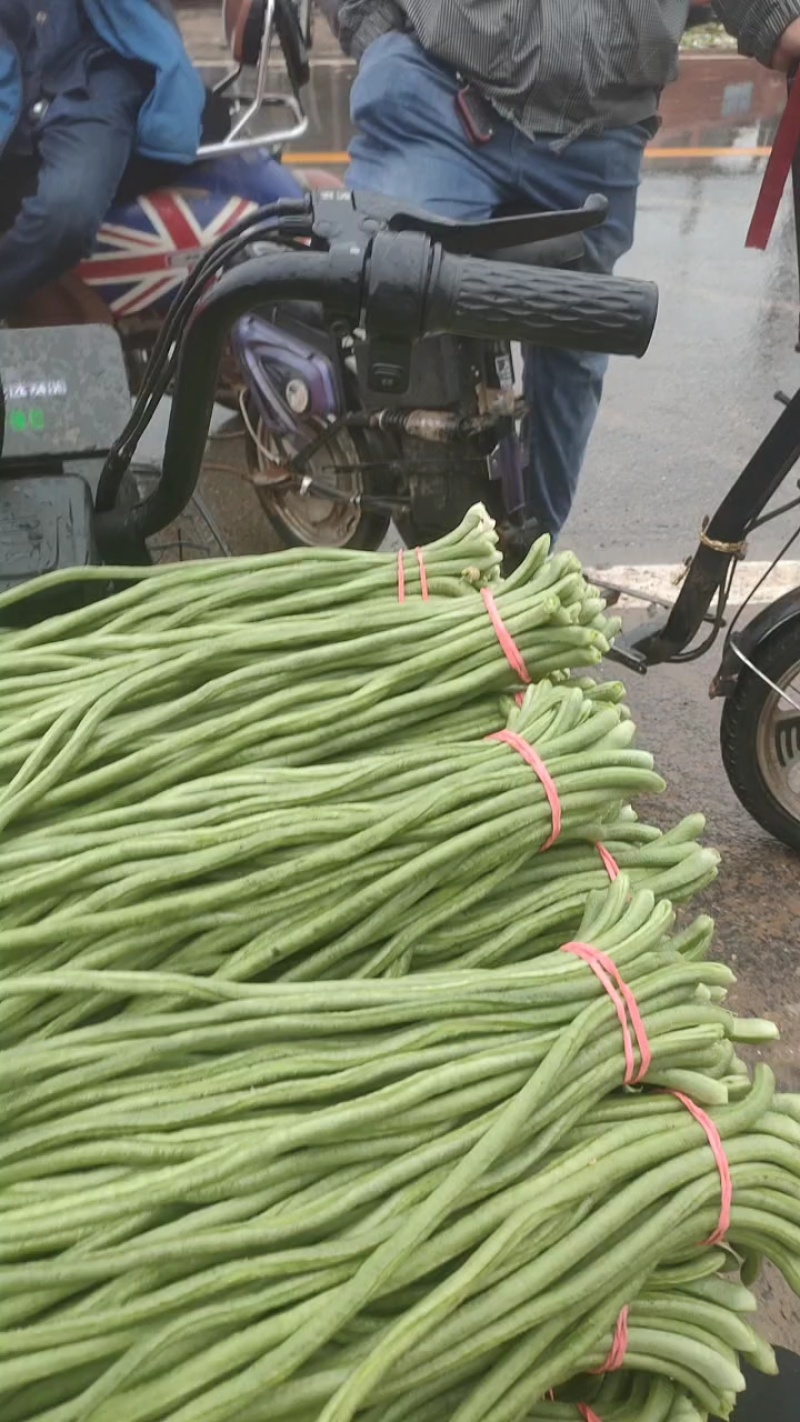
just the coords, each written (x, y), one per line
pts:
(609, 862)
(608, 974)
(509, 647)
(583, 1407)
(401, 576)
(619, 1347)
(537, 765)
(423, 576)
(723, 1166)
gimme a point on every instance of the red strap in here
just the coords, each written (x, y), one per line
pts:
(613, 1363)
(537, 765)
(583, 1407)
(607, 972)
(401, 576)
(511, 651)
(779, 166)
(609, 862)
(723, 1166)
(619, 1347)
(423, 576)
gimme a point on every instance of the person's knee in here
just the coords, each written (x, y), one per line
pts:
(66, 225)
(75, 226)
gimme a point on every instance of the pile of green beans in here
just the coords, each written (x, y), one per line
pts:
(295, 582)
(96, 707)
(551, 890)
(403, 1198)
(240, 874)
(307, 1115)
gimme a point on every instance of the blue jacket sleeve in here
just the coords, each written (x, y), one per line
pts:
(10, 88)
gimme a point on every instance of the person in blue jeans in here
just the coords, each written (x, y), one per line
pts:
(84, 85)
(466, 106)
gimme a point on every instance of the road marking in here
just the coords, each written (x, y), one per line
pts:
(339, 160)
(659, 580)
(707, 152)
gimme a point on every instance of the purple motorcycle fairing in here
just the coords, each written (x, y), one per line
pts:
(270, 357)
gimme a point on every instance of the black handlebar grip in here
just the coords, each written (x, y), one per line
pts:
(469, 296)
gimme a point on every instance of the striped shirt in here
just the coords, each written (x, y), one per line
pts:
(559, 66)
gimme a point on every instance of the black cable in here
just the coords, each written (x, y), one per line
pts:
(226, 247)
(223, 250)
(770, 517)
(162, 361)
(776, 560)
(719, 621)
(697, 652)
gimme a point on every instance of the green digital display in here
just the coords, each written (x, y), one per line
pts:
(23, 420)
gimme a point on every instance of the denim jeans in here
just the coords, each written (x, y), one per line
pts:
(410, 144)
(55, 199)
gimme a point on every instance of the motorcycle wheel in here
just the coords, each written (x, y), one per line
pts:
(304, 520)
(760, 737)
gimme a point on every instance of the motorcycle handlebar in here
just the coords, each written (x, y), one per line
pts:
(541, 305)
(403, 286)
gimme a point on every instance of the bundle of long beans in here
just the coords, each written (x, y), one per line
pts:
(385, 1197)
(96, 705)
(308, 1115)
(305, 873)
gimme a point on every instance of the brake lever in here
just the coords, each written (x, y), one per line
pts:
(474, 239)
(343, 216)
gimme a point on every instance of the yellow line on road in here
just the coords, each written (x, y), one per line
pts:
(338, 160)
(707, 152)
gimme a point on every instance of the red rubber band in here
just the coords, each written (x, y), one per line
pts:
(607, 972)
(619, 1347)
(609, 862)
(423, 576)
(401, 576)
(723, 1166)
(586, 1413)
(537, 765)
(510, 649)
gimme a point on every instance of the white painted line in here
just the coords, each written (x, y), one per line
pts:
(662, 580)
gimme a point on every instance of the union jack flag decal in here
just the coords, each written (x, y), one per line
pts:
(147, 249)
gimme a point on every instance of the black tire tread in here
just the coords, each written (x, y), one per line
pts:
(740, 717)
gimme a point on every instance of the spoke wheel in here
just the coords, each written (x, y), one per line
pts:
(308, 520)
(760, 737)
